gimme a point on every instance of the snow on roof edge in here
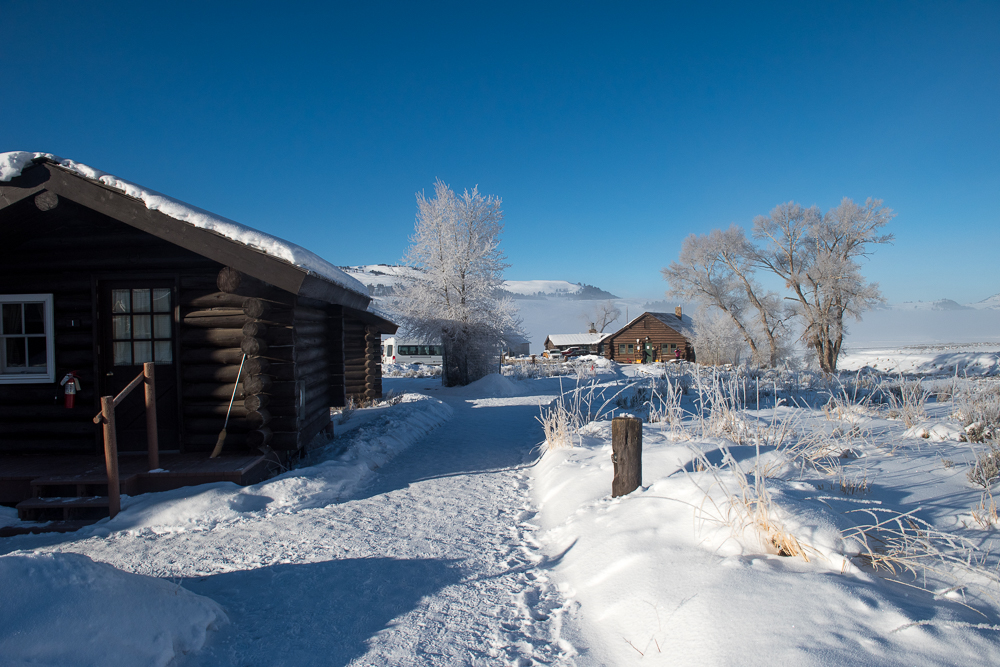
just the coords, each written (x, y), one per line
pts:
(578, 338)
(14, 162)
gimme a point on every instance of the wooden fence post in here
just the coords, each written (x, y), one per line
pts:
(626, 454)
(152, 440)
(111, 454)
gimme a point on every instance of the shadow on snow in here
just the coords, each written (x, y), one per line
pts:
(313, 613)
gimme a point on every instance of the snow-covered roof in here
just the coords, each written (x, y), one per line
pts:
(12, 163)
(560, 340)
(683, 325)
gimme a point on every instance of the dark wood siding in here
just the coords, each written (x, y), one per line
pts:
(65, 252)
(658, 333)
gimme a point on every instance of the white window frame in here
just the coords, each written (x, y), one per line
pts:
(50, 348)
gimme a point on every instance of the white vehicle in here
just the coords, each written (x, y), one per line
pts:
(403, 352)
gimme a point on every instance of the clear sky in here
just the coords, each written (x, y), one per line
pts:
(610, 130)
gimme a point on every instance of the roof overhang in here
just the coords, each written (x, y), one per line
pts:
(47, 176)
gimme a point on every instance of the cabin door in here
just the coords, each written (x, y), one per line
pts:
(137, 322)
(647, 353)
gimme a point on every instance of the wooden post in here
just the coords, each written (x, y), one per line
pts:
(152, 440)
(626, 454)
(111, 454)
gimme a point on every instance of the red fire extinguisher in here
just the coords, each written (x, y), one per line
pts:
(71, 385)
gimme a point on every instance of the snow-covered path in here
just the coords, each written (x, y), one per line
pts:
(433, 563)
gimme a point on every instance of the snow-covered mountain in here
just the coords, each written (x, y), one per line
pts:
(991, 302)
(946, 304)
(381, 278)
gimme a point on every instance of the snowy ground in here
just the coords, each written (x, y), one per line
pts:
(429, 532)
(955, 359)
(706, 564)
(427, 559)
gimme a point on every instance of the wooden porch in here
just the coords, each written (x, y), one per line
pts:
(63, 493)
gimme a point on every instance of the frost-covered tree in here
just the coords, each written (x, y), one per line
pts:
(457, 297)
(603, 315)
(717, 270)
(717, 338)
(816, 256)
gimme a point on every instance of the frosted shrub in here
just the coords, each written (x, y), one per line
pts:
(665, 403)
(906, 401)
(526, 370)
(561, 424)
(986, 468)
(977, 407)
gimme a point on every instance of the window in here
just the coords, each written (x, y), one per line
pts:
(141, 326)
(631, 348)
(621, 348)
(27, 351)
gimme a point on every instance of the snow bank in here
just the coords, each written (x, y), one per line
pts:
(65, 609)
(672, 573)
(11, 165)
(348, 462)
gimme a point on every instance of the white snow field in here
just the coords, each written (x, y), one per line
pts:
(434, 531)
(861, 542)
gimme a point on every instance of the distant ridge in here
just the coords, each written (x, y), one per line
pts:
(381, 280)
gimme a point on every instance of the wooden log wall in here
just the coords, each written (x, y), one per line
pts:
(33, 417)
(312, 324)
(362, 360)
(216, 333)
(63, 250)
(335, 358)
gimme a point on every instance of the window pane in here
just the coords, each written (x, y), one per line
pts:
(141, 327)
(143, 352)
(36, 353)
(123, 354)
(164, 352)
(122, 327)
(14, 353)
(34, 318)
(161, 300)
(161, 326)
(12, 318)
(388, 350)
(121, 301)
(140, 301)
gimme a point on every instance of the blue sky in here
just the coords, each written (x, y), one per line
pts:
(610, 130)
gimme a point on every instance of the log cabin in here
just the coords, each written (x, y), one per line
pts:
(593, 342)
(653, 337)
(98, 276)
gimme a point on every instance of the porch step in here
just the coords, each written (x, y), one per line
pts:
(93, 483)
(46, 527)
(63, 508)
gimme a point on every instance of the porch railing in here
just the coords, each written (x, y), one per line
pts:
(107, 417)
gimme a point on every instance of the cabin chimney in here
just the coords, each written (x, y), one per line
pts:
(677, 312)
(593, 328)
